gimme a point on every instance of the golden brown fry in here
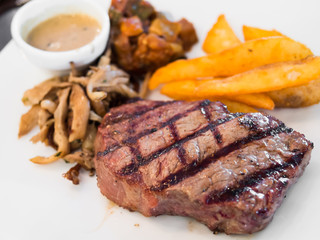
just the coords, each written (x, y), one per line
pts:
(241, 58)
(263, 79)
(251, 33)
(36, 94)
(258, 100)
(300, 96)
(29, 120)
(235, 107)
(186, 90)
(80, 106)
(220, 37)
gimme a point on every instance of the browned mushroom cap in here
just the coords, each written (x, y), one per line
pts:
(60, 135)
(80, 107)
(35, 95)
(29, 120)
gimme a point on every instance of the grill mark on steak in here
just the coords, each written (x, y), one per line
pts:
(204, 110)
(234, 193)
(181, 150)
(134, 167)
(132, 140)
(143, 110)
(194, 167)
(108, 150)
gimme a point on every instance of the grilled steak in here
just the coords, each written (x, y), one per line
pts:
(229, 171)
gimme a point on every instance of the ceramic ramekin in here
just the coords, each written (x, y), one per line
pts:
(36, 11)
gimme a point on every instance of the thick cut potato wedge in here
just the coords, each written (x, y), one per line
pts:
(186, 90)
(300, 96)
(264, 79)
(235, 107)
(240, 58)
(251, 33)
(220, 37)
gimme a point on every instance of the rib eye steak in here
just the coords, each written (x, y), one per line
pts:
(229, 171)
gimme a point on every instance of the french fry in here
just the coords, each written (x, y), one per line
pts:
(263, 79)
(186, 90)
(235, 107)
(220, 37)
(240, 58)
(251, 33)
(258, 100)
(300, 96)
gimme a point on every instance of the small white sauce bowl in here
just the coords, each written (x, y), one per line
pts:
(37, 11)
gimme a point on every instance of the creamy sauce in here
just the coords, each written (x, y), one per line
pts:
(64, 32)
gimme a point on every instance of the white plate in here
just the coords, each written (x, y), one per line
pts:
(37, 203)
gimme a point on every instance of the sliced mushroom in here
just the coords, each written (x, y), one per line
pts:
(99, 108)
(49, 105)
(84, 158)
(95, 117)
(74, 70)
(105, 59)
(43, 117)
(88, 143)
(35, 95)
(81, 80)
(42, 135)
(80, 107)
(29, 120)
(144, 87)
(96, 77)
(60, 135)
